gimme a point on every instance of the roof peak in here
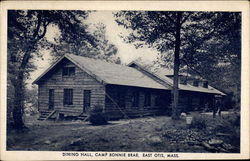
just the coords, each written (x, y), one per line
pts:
(95, 59)
(111, 73)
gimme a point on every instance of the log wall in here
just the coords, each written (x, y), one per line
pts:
(188, 101)
(78, 82)
(114, 111)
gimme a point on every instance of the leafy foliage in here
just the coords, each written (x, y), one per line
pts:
(27, 37)
(218, 59)
(99, 47)
(31, 103)
(210, 42)
(200, 33)
(228, 124)
(104, 49)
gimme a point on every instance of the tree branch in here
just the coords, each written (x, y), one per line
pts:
(185, 18)
(44, 30)
(192, 68)
(170, 19)
(39, 21)
(168, 38)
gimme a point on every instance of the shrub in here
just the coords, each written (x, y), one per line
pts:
(229, 125)
(97, 117)
(234, 120)
(198, 122)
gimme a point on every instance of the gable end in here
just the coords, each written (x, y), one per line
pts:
(36, 81)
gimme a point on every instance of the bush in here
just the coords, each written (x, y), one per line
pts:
(97, 117)
(198, 122)
(229, 125)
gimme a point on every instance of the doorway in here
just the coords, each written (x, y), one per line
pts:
(86, 100)
(51, 99)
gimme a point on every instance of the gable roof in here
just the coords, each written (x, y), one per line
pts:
(162, 76)
(109, 73)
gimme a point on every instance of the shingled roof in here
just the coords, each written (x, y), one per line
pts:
(110, 73)
(161, 75)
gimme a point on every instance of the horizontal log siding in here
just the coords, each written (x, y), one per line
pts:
(79, 82)
(115, 112)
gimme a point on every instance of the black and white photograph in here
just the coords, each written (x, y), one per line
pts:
(135, 84)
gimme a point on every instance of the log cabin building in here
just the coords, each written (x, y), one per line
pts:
(74, 85)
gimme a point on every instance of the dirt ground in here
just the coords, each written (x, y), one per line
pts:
(151, 134)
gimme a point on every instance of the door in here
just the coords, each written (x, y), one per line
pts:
(51, 99)
(86, 100)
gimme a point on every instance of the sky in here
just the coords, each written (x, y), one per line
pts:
(126, 52)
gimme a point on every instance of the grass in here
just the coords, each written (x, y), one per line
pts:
(152, 134)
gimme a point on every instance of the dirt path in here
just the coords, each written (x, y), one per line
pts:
(152, 134)
(121, 135)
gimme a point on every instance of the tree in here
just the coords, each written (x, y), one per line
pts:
(183, 35)
(160, 30)
(218, 59)
(103, 48)
(26, 35)
(27, 31)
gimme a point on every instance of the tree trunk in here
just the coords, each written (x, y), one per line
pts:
(18, 103)
(18, 81)
(175, 91)
(19, 93)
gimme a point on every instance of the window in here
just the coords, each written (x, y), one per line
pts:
(158, 100)
(121, 97)
(68, 97)
(68, 71)
(135, 99)
(147, 100)
(86, 99)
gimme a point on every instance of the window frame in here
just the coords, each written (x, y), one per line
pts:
(68, 96)
(121, 97)
(135, 98)
(147, 99)
(158, 100)
(68, 71)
